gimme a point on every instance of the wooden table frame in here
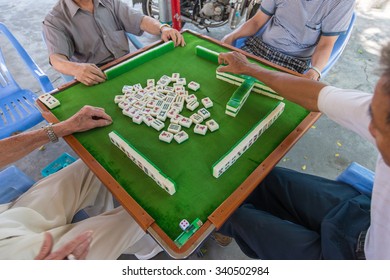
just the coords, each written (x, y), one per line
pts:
(221, 214)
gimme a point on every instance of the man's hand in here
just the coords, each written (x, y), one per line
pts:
(312, 75)
(168, 33)
(75, 249)
(87, 118)
(89, 74)
(235, 62)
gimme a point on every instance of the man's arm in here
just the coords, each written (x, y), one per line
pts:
(154, 27)
(86, 73)
(18, 146)
(249, 28)
(296, 89)
(321, 55)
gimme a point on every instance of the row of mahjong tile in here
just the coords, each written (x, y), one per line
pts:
(143, 163)
(230, 158)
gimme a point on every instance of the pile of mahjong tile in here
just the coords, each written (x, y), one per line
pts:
(165, 99)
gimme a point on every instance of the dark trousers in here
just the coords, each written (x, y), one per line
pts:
(291, 215)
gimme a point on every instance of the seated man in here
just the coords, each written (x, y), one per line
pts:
(298, 216)
(42, 216)
(82, 35)
(300, 35)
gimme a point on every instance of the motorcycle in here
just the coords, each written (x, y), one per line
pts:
(203, 14)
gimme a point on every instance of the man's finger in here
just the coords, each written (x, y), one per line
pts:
(46, 247)
(98, 72)
(69, 247)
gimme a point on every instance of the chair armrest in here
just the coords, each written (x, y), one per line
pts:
(38, 74)
(136, 43)
(361, 178)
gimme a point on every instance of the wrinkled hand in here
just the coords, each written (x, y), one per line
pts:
(77, 248)
(89, 74)
(311, 74)
(228, 39)
(168, 33)
(87, 118)
(235, 62)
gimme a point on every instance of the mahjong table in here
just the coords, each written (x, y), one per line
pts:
(200, 198)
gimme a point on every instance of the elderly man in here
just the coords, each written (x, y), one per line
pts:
(298, 216)
(38, 224)
(82, 35)
(300, 34)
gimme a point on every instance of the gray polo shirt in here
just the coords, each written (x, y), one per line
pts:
(94, 38)
(296, 25)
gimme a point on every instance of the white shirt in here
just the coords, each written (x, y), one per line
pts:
(349, 108)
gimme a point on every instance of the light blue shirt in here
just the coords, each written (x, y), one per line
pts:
(297, 25)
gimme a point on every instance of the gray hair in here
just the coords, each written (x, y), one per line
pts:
(385, 71)
(385, 63)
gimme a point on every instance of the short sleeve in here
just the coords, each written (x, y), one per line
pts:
(56, 40)
(348, 108)
(268, 7)
(338, 19)
(130, 18)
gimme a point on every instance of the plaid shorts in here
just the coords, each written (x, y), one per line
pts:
(256, 46)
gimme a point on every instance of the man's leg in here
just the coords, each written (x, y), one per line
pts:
(113, 233)
(59, 196)
(282, 217)
(299, 198)
(261, 235)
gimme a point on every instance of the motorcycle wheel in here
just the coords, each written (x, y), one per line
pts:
(150, 8)
(252, 10)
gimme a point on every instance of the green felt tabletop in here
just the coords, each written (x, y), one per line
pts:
(189, 164)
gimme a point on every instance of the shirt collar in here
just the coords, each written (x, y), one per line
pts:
(73, 7)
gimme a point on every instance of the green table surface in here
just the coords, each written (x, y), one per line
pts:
(189, 164)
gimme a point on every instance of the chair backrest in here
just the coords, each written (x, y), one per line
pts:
(339, 46)
(32, 66)
(337, 50)
(17, 106)
(7, 83)
(13, 183)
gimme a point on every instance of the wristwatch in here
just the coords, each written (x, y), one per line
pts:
(316, 70)
(50, 133)
(164, 25)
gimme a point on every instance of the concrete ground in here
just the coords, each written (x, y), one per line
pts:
(325, 150)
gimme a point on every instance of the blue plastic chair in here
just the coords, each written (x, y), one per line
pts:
(17, 109)
(338, 47)
(14, 182)
(361, 178)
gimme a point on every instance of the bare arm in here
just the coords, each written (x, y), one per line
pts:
(296, 89)
(153, 26)
(249, 28)
(16, 147)
(321, 55)
(86, 73)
